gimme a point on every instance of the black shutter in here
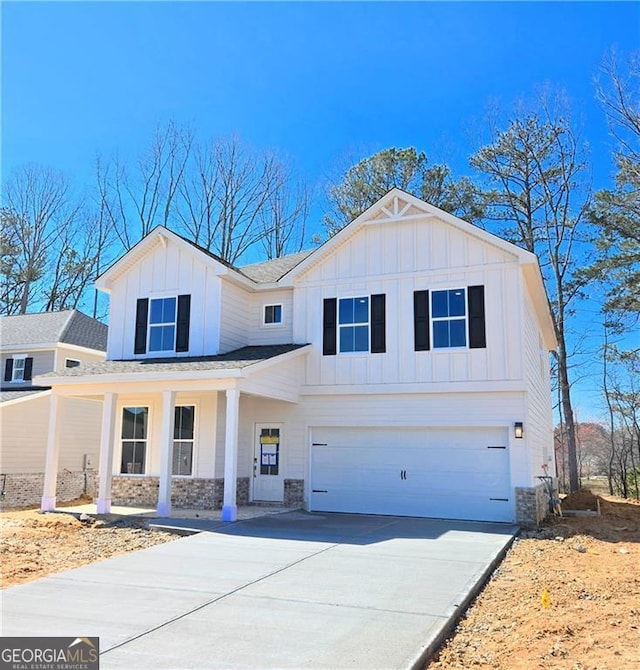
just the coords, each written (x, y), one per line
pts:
(142, 311)
(182, 323)
(378, 324)
(421, 320)
(477, 335)
(28, 368)
(8, 370)
(329, 326)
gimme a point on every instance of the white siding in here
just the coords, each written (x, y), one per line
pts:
(25, 427)
(43, 361)
(235, 317)
(259, 333)
(538, 424)
(167, 271)
(204, 438)
(360, 268)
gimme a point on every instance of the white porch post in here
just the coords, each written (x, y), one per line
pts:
(229, 507)
(48, 503)
(107, 435)
(166, 454)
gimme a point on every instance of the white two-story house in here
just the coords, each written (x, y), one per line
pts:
(401, 368)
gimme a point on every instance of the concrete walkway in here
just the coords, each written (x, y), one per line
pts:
(293, 590)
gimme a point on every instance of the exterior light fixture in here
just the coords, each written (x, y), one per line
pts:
(518, 430)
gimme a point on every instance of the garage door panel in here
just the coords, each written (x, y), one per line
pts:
(447, 473)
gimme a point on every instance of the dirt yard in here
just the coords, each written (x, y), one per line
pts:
(34, 545)
(566, 597)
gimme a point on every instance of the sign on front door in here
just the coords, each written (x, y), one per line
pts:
(267, 466)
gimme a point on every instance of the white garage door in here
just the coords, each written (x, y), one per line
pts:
(436, 472)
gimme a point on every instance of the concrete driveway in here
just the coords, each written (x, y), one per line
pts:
(293, 590)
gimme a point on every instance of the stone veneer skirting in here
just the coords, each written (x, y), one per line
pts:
(532, 505)
(293, 492)
(25, 490)
(186, 492)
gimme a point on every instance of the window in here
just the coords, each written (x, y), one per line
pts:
(183, 440)
(448, 315)
(353, 324)
(134, 439)
(272, 314)
(162, 324)
(18, 369)
(71, 363)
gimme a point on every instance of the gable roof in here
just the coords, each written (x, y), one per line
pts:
(66, 327)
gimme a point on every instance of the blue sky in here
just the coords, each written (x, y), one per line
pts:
(319, 82)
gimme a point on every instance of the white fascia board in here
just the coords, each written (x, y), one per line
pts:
(535, 284)
(31, 396)
(423, 389)
(49, 346)
(133, 377)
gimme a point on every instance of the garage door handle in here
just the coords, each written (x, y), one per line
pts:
(403, 474)
(319, 491)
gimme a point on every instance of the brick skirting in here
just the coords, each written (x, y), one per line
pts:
(24, 490)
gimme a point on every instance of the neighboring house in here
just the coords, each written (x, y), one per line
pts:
(401, 368)
(30, 345)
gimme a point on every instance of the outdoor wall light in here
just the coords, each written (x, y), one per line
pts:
(517, 429)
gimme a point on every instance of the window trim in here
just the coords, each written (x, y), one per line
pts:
(15, 358)
(164, 324)
(194, 440)
(339, 326)
(433, 320)
(121, 439)
(272, 324)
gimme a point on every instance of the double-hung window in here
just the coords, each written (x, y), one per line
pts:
(353, 324)
(162, 324)
(18, 369)
(183, 440)
(134, 440)
(449, 318)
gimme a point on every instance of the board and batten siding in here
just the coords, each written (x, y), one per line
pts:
(163, 272)
(428, 255)
(25, 429)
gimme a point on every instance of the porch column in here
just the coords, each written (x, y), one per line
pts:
(105, 468)
(166, 453)
(48, 503)
(229, 507)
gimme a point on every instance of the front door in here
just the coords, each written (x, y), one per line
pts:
(268, 483)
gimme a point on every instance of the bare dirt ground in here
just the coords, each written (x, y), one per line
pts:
(34, 545)
(590, 568)
(588, 565)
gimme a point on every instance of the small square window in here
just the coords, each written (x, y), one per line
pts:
(71, 363)
(272, 314)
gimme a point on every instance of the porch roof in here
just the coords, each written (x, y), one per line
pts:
(233, 360)
(18, 394)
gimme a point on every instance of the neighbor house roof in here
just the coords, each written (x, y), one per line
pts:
(234, 360)
(66, 327)
(5, 396)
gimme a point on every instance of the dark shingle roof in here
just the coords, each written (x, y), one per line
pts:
(270, 271)
(22, 393)
(67, 327)
(240, 358)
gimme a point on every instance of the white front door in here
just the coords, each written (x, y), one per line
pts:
(268, 482)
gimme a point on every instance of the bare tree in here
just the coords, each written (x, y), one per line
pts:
(284, 217)
(538, 196)
(39, 216)
(139, 198)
